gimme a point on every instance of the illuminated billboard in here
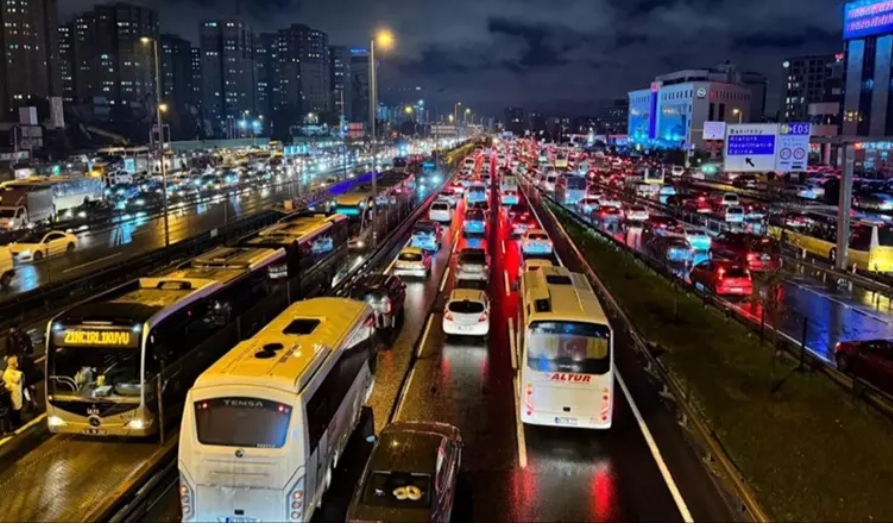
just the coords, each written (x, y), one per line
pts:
(865, 18)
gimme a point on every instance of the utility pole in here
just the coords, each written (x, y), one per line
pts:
(373, 110)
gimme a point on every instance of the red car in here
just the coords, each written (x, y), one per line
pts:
(522, 222)
(870, 360)
(755, 252)
(722, 277)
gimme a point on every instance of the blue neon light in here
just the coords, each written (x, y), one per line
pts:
(867, 17)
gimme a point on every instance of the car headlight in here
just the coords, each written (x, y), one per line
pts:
(82, 214)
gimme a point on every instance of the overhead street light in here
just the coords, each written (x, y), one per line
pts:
(385, 40)
(159, 109)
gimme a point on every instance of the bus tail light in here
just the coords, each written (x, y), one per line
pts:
(296, 501)
(187, 498)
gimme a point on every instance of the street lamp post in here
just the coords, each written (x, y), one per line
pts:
(386, 40)
(158, 111)
(737, 112)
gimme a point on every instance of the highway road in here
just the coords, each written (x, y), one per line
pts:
(143, 233)
(512, 472)
(828, 312)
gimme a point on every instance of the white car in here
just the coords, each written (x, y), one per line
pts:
(473, 264)
(37, 246)
(413, 261)
(467, 313)
(536, 241)
(677, 171)
(637, 213)
(729, 199)
(440, 211)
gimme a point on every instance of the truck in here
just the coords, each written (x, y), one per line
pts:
(25, 206)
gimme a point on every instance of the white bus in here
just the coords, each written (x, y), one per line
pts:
(565, 348)
(264, 428)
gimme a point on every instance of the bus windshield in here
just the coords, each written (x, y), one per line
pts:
(101, 372)
(569, 347)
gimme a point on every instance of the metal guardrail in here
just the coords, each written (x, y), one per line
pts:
(130, 506)
(671, 390)
(795, 347)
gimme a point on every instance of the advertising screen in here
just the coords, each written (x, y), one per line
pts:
(867, 17)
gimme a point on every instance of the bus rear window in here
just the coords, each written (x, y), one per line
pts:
(242, 422)
(569, 347)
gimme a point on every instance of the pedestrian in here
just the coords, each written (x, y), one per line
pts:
(13, 379)
(5, 411)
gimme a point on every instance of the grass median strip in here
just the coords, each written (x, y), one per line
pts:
(809, 451)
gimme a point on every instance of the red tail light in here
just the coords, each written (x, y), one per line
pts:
(387, 305)
(448, 316)
(752, 256)
(483, 317)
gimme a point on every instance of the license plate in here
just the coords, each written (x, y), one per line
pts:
(736, 290)
(565, 420)
(240, 519)
(766, 258)
(96, 432)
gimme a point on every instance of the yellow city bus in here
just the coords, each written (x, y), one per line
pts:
(870, 246)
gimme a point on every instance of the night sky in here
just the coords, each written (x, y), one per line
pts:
(565, 56)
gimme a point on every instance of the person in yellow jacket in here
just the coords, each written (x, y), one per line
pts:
(13, 379)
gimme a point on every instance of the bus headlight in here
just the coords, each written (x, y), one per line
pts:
(56, 422)
(135, 424)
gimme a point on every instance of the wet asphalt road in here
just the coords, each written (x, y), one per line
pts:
(827, 312)
(512, 472)
(143, 233)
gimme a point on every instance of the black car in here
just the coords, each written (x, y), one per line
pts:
(385, 294)
(410, 476)
(90, 212)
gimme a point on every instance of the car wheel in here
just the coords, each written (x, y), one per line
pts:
(843, 363)
(70, 248)
(38, 256)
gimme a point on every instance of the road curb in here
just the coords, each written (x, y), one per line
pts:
(24, 439)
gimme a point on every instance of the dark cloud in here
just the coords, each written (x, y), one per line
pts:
(548, 54)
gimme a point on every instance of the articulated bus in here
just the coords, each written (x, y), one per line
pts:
(264, 428)
(576, 187)
(871, 241)
(565, 349)
(108, 356)
(315, 246)
(357, 207)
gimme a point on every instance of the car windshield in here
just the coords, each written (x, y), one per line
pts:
(33, 237)
(466, 307)
(400, 490)
(537, 236)
(439, 205)
(411, 257)
(474, 214)
(7, 213)
(734, 272)
(472, 256)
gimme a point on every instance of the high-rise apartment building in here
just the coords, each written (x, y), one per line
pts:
(176, 70)
(66, 62)
(110, 64)
(359, 86)
(195, 63)
(304, 80)
(802, 84)
(342, 85)
(266, 54)
(228, 74)
(29, 50)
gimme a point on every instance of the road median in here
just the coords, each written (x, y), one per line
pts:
(809, 452)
